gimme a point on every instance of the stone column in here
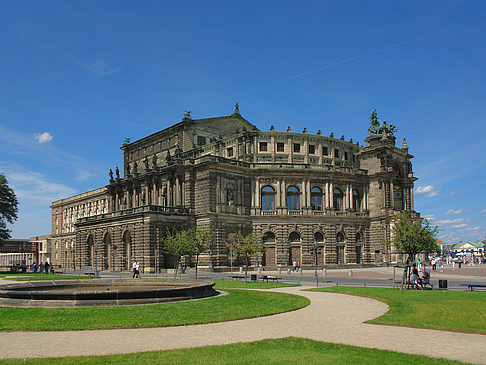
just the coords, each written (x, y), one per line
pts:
(278, 196)
(319, 152)
(257, 194)
(326, 196)
(291, 150)
(272, 148)
(351, 198)
(346, 198)
(255, 149)
(308, 188)
(331, 194)
(411, 198)
(392, 197)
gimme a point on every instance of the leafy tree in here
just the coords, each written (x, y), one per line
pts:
(8, 207)
(202, 242)
(178, 244)
(412, 235)
(248, 246)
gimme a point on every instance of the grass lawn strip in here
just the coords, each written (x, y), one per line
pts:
(276, 351)
(437, 309)
(239, 304)
(228, 284)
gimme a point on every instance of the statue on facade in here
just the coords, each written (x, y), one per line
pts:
(146, 162)
(128, 169)
(178, 152)
(111, 174)
(168, 157)
(154, 161)
(117, 172)
(376, 128)
(135, 167)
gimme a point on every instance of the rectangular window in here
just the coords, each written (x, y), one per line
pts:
(312, 149)
(230, 152)
(346, 156)
(336, 153)
(280, 147)
(296, 147)
(263, 146)
(325, 152)
(201, 141)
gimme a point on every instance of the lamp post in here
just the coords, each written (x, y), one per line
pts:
(231, 259)
(96, 259)
(315, 248)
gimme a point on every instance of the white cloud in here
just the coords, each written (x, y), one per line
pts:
(462, 225)
(98, 67)
(45, 137)
(483, 211)
(428, 190)
(455, 211)
(449, 221)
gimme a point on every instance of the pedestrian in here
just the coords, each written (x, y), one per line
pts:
(415, 277)
(134, 267)
(41, 267)
(46, 267)
(294, 265)
(434, 264)
(137, 271)
(441, 265)
(23, 266)
(453, 264)
(298, 266)
(32, 267)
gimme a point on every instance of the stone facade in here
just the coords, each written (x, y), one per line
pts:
(293, 189)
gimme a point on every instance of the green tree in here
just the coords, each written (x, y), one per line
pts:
(202, 242)
(248, 246)
(412, 235)
(8, 207)
(178, 244)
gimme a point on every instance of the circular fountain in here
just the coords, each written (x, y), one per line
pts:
(74, 293)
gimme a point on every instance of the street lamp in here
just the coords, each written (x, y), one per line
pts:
(315, 251)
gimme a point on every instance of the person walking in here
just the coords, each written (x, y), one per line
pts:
(134, 267)
(294, 265)
(46, 267)
(137, 271)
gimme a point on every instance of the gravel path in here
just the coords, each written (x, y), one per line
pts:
(330, 317)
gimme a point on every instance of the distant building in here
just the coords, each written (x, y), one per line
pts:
(14, 251)
(469, 248)
(292, 188)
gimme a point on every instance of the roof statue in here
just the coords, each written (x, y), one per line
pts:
(187, 114)
(237, 109)
(376, 128)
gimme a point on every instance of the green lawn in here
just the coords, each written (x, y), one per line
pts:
(281, 351)
(238, 305)
(447, 310)
(221, 284)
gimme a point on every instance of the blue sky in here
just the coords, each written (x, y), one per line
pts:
(76, 78)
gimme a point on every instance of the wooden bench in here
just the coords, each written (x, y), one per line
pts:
(471, 286)
(237, 277)
(269, 277)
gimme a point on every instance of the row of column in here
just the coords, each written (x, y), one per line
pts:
(168, 193)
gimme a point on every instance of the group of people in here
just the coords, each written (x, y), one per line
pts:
(417, 281)
(42, 267)
(136, 270)
(295, 266)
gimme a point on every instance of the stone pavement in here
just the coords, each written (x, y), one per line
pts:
(330, 317)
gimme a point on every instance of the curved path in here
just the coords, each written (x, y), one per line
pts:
(330, 317)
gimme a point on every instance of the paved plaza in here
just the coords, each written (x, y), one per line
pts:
(330, 317)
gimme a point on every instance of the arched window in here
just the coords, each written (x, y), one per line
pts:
(293, 198)
(397, 188)
(107, 253)
(338, 199)
(230, 194)
(269, 237)
(316, 198)
(127, 241)
(294, 237)
(268, 198)
(318, 237)
(356, 201)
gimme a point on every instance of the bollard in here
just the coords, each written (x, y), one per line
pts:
(350, 273)
(323, 272)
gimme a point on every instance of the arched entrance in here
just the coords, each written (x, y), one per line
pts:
(107, 253)
(127, 244)
(319, 239)
(359, 248)
(294, 248)
(91, 251)
(340, 248)
(269, 255)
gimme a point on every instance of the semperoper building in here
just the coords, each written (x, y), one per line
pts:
(295, 189)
